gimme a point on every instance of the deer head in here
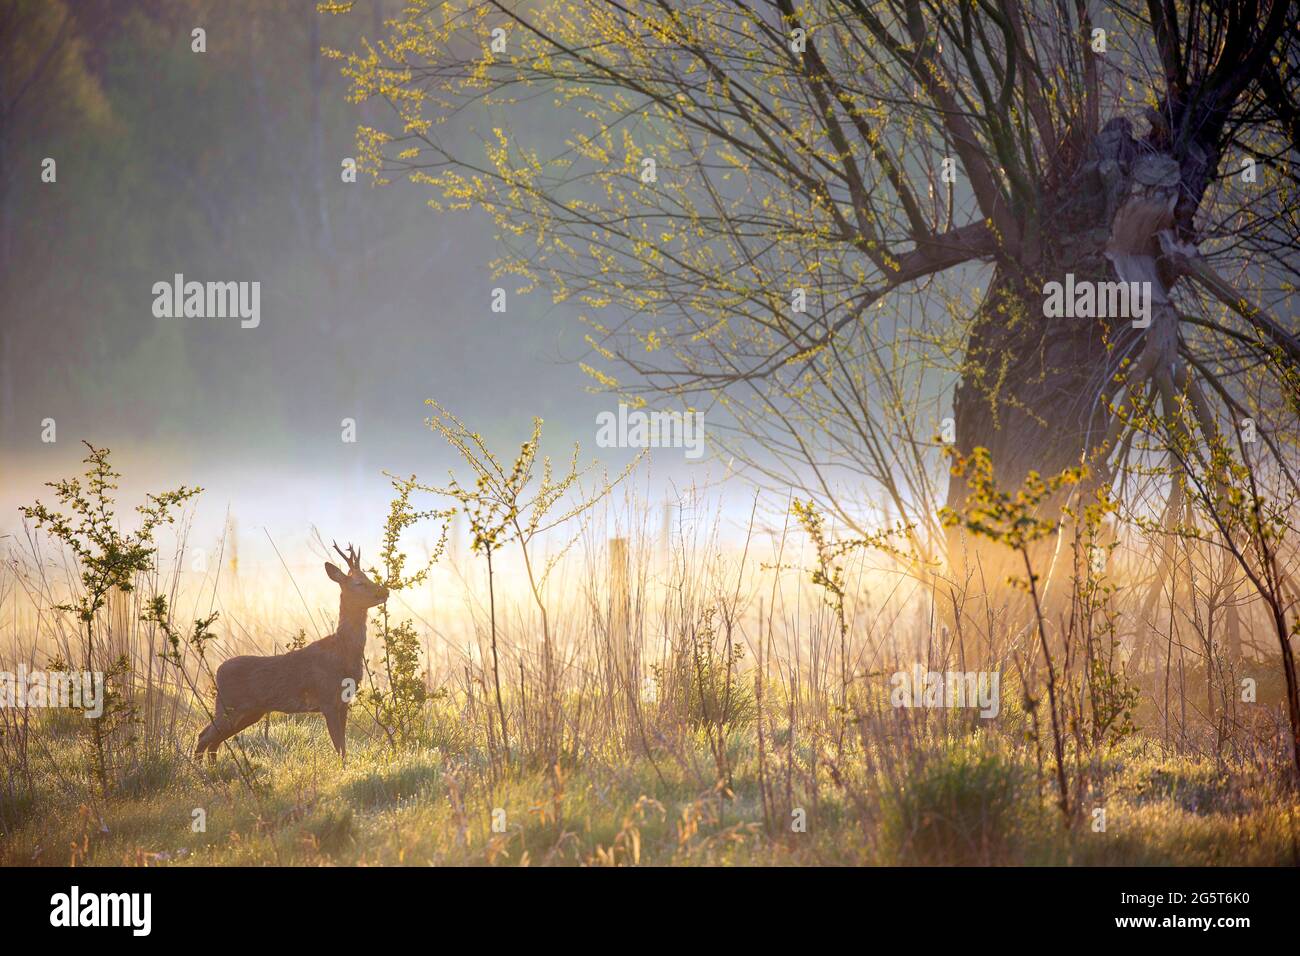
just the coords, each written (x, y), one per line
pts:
(358, 590)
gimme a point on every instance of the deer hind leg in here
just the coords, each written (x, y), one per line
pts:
(223, 727)
(336, 719)
(204, 743)
(210, 737)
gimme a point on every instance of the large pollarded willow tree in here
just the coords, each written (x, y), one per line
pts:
(831, 223)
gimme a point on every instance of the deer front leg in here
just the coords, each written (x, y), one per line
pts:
(336, 719)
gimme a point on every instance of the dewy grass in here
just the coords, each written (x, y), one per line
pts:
(962, 806)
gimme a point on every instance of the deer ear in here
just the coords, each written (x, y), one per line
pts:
(337, 576)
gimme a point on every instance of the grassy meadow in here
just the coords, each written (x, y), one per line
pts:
(961, 801)
(673, 696)
(957, 801)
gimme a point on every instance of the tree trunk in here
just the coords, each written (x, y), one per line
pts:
(1035, 389)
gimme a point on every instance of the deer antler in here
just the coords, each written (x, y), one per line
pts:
(352, 557)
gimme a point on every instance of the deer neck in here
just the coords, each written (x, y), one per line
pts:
(352, 629)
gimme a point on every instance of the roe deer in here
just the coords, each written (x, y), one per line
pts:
(309, 680)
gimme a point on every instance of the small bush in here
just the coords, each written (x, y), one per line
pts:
(1199, 789)
(706, 685)
(150, 775)
(332, 830)
(388, 786)
(959, 809)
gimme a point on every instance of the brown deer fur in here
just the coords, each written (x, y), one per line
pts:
(310, 680)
